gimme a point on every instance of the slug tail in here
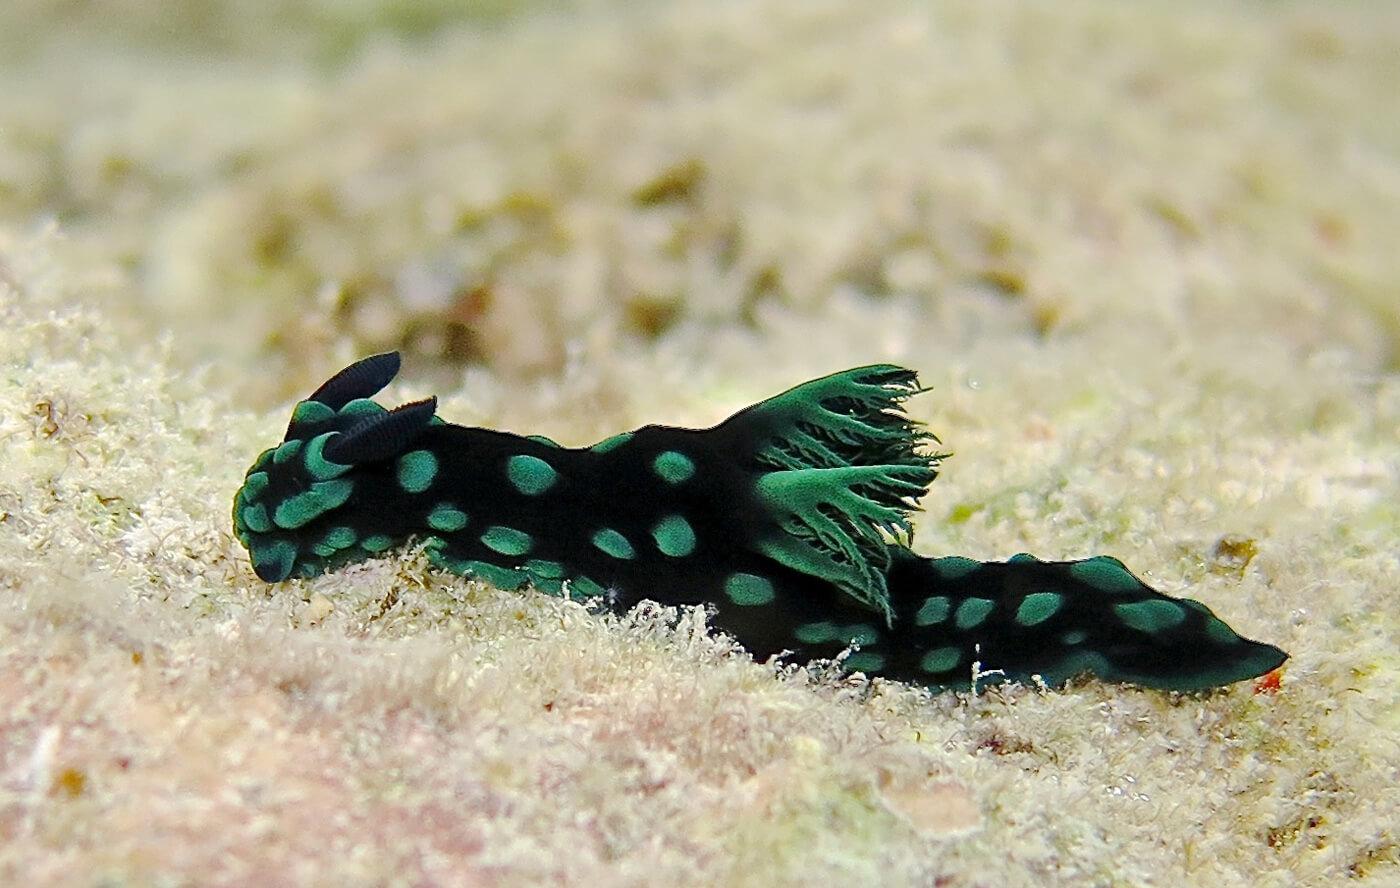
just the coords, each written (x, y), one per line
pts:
(1025, 618)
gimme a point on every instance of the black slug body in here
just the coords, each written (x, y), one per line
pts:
(788, 520)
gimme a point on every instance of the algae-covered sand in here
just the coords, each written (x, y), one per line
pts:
(1143, 255)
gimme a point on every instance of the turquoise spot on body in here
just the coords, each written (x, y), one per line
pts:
(1038, 607)
(1105, 574)
(548, 569)
(317, 466)
(955, 567)
(278, 556)
(609, 444)
(816, 633)
(674, 536)
(311, 411)
(747, 590)
(253, 485)
(362, 407)
(934, 611)
(286, 451)
(255, 516)
(495, 574)
(445, 517)
(506, 540)
(826, 630)
(376, 543)
(864, 661)
(972, 612)
(610, 542)
(303, 508)
(542, 439)
(861, 633)
(263, 458)
(940, 659)
(1151, 616)
(1219, 632)
(1074, 636)
(673, 467)
(417, 470)
(530, 475)
(339, 538)
(583, 587)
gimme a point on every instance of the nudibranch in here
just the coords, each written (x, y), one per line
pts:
(789, 521)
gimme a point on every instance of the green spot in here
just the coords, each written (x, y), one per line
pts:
(935, 610)
(501, 577)
(1154, 615)
(444, 517)
(320, 549)
(861, 634)
(1078, 663)
(673, 467)
(613, 543)
(339, 538)
(816, 633)
(332, 494)
(417, 470)
(972, 612)
(253, 485)
(303, 508)
(506, 540)
(530, 475)
(541, 439)
(376, 543)
(263, 458)
(311, 411)
(286, 451)
(495, 574)
(278, 555)
(1022, 558)
(548, 585)
(255, 517)
(362, 407)
(1074, 636)
(296, 511)
(1219, 632)
(548, 569)
(1038, 607)
(864, 661)
(955, 567)
(674, 536)
(747, 590)
(1105, 574)
(317, 465)
(940, 659)
(609, 444)
(583, 587)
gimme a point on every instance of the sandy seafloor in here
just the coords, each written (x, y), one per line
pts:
(1144, 255)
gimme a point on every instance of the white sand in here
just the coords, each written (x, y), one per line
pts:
(1144, 255)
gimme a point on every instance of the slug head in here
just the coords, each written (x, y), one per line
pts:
(317, 500)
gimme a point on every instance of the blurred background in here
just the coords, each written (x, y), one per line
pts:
(515, 184)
